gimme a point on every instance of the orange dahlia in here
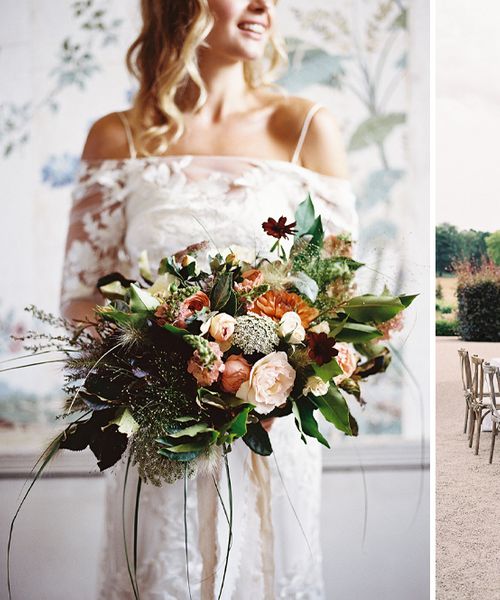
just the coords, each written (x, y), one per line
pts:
(275, 304)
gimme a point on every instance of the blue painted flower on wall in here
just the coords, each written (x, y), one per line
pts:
(60, 170)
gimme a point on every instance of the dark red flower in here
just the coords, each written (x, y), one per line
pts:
(320, 348)
(280, 228)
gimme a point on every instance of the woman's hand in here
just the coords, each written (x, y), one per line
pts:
(267, 423)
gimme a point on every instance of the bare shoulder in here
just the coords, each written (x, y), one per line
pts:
(106, 140)
(323, 147)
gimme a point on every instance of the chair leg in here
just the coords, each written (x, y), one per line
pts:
(466, 417)
(479, 422)
(493, 436)
(472, 421)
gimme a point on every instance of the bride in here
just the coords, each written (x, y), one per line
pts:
(209, 150)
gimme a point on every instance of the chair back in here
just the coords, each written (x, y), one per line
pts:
(477, 378)
(465, 370)
(493, 375)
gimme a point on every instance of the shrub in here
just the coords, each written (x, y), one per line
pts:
(446, 310)
(446, 327)
(478, 293)
(439, 291)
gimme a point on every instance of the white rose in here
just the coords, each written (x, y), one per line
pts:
(291, 326)
(315, 386)
(322, 327)
(270, 383)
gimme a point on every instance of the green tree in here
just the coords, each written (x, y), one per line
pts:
(449, 247)
(493, 246)
(474, 246)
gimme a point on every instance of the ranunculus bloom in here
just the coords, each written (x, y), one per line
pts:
(270, 383)
(237, 371)
(291, 325)
(205, 376)
(315, 386)
(347, 361)
(161, 314)
(251, 279)
(191, 305)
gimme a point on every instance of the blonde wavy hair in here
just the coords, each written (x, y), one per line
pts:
(164, 60)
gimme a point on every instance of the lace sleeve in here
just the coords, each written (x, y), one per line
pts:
(96, 230)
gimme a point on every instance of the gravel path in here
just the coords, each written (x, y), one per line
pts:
(468, 489)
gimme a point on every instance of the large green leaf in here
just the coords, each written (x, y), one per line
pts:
(141, 300)
(304, 418)
(109, 313)
(369, 308)
(304, 216)
(328, 370)
(256, 439)
(375, 129)
(357, 332)
(406, 300)
(221, 292)
(333, 407)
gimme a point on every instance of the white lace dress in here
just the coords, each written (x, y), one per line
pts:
(163, 204)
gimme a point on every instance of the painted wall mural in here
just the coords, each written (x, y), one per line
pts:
(65, 69)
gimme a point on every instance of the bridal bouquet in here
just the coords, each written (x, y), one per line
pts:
(178, 366)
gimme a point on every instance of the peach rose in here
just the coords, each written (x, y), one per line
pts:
(191, 305)
(237, 371)
(270, 383)
(205, 376)
(251, 278)
(347, 361)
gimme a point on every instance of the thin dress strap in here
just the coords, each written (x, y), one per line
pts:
(310, 114)
(128, 132)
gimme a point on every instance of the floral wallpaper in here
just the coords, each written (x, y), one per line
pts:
(64, 66)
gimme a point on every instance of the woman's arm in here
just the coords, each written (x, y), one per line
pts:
(323, 149)
(106, 140)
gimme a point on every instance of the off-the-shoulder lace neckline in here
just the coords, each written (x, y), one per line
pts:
(250, 159)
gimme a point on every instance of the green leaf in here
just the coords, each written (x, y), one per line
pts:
(375, 129)
(351, 386)
(370, 308)
(304, 216)
(305, 421)
(125, 421)
(257, 439)
(180, 456)
(141, 300)
(237, 427)
(192, 431)
(175, 330)
(114, 290)
(357, 332)
(221, 291)
(328, 371)
(317, 232)
(144, 268)
(333, 407)
(407, 300)
(109, 313)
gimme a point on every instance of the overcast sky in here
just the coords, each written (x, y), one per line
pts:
(468, 113)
